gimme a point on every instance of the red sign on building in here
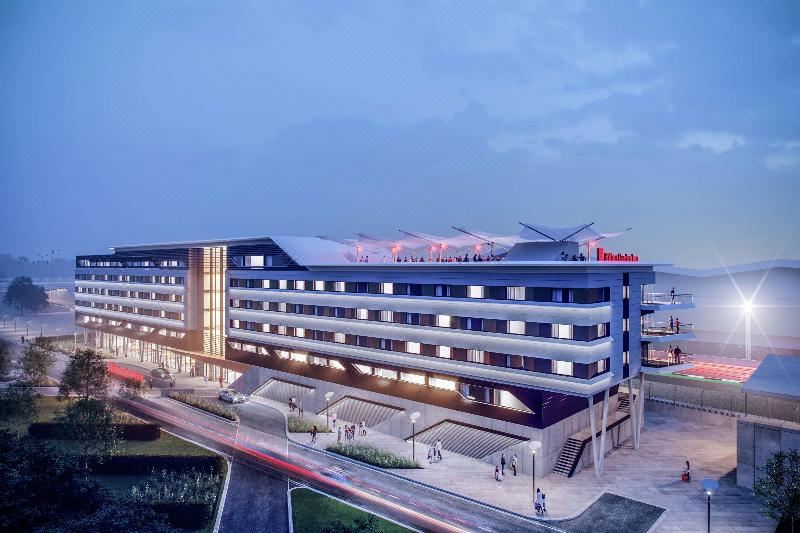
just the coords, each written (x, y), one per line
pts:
(602, 255)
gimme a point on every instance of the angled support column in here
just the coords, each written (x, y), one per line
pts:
(595, 460)
(603, 432)
(641, 402)
(634, 409)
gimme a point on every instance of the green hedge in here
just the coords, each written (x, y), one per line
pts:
(184, 515)
(304, 425)
(205, 405)
(145, 464)
(371, 455)
(57, 430)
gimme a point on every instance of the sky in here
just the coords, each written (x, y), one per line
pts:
(150, 121)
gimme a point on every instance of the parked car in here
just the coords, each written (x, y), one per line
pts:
(161, 373)
(232, 396)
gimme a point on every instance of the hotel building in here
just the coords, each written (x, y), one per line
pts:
(491, 354)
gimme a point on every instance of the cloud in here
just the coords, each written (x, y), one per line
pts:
(785, 157)
(717, 142)
(597, 129)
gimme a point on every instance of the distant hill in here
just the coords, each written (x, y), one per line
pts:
(56, 267)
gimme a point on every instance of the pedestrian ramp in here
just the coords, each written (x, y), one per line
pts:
(354, 410)
(280, 391)
(466, 439)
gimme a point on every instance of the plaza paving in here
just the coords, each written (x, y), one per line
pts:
(650, 475)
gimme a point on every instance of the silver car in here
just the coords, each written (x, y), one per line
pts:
(232, 396)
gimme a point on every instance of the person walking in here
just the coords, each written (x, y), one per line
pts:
(439, 449)
(313, 434)
(300, 409)
(669, 354)
(339, 435)
(544, 503)
(497, 473)
(334, 419)
(677, 325)
(537, 504)
(364, 428)
(220, 381)
(672, 295)
(671, 324)
(514, 464)
(430, 454)
(503, 464)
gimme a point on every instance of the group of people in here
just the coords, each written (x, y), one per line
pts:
(350, 431)
(564, 256)
(674, 324)
(674, 355)
(435, 452)
(500, 471)
(293, 405)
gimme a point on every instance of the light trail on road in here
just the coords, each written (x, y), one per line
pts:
(426, 518)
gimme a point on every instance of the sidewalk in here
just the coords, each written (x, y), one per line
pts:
(650, 474)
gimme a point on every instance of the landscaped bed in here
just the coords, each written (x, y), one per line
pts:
(312, 511)
(371, 455)
(304, 425)
(204, 405)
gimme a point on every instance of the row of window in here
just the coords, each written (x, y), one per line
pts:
(148, 263)
(489, 325)
(139, 295)
(84, 319)
(535, 364)
(157, 313)
(126, 278)
(532, 294)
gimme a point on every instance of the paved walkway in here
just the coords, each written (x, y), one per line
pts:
(650, 474)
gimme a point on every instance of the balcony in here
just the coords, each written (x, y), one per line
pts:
(660, 362)
(663, 301)
(662, 332)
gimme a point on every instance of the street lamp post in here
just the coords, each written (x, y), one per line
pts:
(709, 486)
(413, 416)
(328, 396)
(27, 328)
(748, 346)
(534, 445)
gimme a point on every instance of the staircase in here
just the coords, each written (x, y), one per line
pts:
(624, 404)
(569, 457)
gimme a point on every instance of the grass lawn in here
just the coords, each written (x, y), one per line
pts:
(312, 511)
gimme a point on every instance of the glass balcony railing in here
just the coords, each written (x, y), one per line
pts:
(661, 329)
(666, 298)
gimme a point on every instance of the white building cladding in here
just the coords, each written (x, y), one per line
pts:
(513, 341)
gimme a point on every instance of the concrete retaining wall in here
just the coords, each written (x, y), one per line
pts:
(691, 414)
(756, 440)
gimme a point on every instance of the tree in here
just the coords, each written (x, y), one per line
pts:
(5, 358)
(23, 294)
(90, 422)
(779, 487)
(131, 388)
(37, 358)
(18, 404)
(86, 376)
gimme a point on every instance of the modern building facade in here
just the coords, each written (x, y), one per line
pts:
(498, 352)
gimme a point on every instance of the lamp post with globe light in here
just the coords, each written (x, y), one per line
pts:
(709, 486)
(328, 396)
(413, 416)
(534, 445)
(747, 305)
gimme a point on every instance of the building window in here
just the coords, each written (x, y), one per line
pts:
(515, 293)
(412, 347)
(299, 332)
(443, 321)
(301, 357)
(475, 291)
(442, 290)
(362, 314)
(626, 324)
(517, 327)
(364, 369)
(319, 285)
(254, 260)
(386, 373)
(387, 316)
(602, 330)
(562, 295)
(282, 284)
(444, 351)
(626, 358)
(283, 354)
(339, 337)
(601, 366)
(626, 292)
(300, 285)
(314, 360)
(419, 379)
(441, 383)
(476, 356)
(281, 330)
(333, 363)
(563, 368)
(562, 331)
(387, 288)
(338, 286)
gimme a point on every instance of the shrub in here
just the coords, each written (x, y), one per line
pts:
(187, 497)
(371, 455)
(304, 425)
(205, 405)
(138, 465)
(127, 426)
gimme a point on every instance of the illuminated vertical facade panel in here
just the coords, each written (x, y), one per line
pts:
(214, 266)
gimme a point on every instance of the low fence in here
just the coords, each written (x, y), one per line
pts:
(732, 403)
